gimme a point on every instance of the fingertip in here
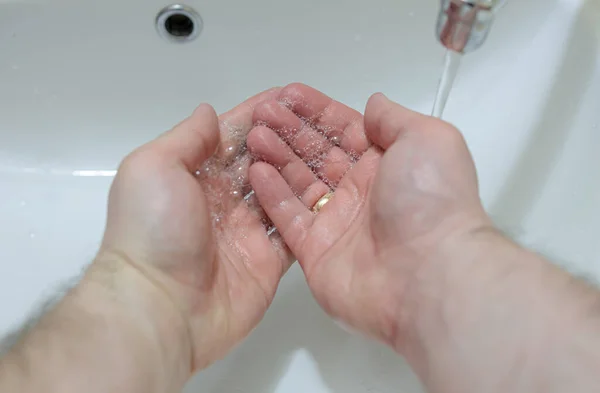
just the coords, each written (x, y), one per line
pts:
(276, 116)
(294, 92)
(304, 100)
(209, 120)
(377, 98)
(204, 119)
(196, 138)
(376, 105)
(386, 120)
(264, 111)
(206, 116)
(255, 140)
(204, 110)
(272, 90)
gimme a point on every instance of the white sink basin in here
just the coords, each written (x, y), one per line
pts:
(84, 82)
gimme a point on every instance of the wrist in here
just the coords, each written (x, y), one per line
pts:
(486, 313)
(447, 272)
(450, 310)
(141, 310)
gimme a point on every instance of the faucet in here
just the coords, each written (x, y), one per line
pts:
(463, 25)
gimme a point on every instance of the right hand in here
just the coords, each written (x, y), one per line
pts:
(405, 193)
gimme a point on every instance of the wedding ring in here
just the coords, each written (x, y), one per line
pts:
(322, 202)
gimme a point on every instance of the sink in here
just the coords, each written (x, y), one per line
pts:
(83, 83)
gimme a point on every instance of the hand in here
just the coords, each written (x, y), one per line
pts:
(176, 213)
(405, 187)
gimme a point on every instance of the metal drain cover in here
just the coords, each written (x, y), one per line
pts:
(179, 23)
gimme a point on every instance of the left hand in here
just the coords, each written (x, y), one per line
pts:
(192, 234)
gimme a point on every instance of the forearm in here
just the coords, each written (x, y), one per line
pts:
(493, 317)
(114, 332)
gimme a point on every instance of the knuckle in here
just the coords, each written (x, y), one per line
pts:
(134, 161)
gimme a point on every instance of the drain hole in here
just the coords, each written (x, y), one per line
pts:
(179, 25)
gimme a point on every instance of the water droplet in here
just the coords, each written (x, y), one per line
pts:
(249, 195)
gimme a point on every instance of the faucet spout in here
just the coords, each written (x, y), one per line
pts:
(463, 25)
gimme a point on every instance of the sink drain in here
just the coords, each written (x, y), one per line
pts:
(178, 23)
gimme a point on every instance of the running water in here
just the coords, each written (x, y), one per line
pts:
(451, 66)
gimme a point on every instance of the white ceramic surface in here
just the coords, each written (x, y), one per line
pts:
(84, 82)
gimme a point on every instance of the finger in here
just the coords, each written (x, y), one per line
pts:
(282, 250)
(322, 156)
(338, 122)
(288, 213)
(193, 140)
(265, 144)
(227, 171)
(385, 120)
(246, 227)
(236, 123)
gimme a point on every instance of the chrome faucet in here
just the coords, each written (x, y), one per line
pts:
(463, 25)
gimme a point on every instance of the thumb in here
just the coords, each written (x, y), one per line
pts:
(192, 141)
(385, 120)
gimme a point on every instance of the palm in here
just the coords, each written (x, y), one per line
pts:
(193, 232)
(381, 202)
(330, 138)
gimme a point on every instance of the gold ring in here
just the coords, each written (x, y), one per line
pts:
(322, 202)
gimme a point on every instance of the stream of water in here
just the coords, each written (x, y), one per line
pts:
(451, 66)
